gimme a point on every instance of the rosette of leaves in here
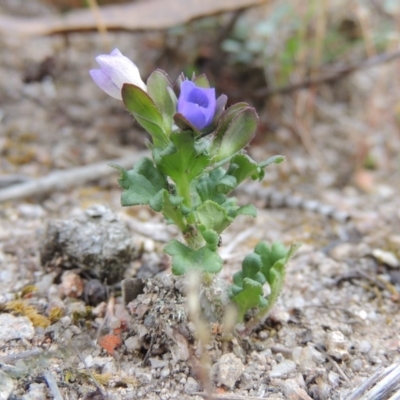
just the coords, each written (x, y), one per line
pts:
(266, 265)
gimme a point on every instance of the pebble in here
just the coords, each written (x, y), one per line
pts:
(283, 369)
(191, 386)
(230, 369)
(6, 385)
(15, 327)
(356, 365)
(37, 391)
(386, 257)
(364, 346)
(246, 381)
(334, 379)
(337, 345)
(133, 343)
(71, 285)
(293, 391)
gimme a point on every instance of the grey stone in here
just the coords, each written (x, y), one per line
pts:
(283, 369)
(37, 391)
(6, 386)
(15, 327)
(364, 346)
(230, 369)
(337, 345)
(386, 257)
(191, 386)
(95, 241)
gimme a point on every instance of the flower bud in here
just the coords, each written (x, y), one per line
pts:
(197, 104)
(115, 70)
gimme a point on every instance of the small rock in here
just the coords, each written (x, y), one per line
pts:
(71, 285)
(364, 346)
(356, 365)
(246, 381)
(37, 391)
(133, 343)
(230, 369)
(334, 379)
(95, 241)
(143, 378)
(283, 369)
(15, 327)
(157, 363)
(337, 345)
(386, 257)
(94, 292)
(131, 288)
(191, 386)
(292, 390)
(6, 386)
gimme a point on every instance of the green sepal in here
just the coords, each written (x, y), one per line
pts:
(141, 183)
(159, 88)
(184, 124)
(185, 259)
(238, 134)
(201, 81)
(225, 119)
(145, 111)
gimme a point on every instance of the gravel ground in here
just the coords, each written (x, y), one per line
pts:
(64, 333)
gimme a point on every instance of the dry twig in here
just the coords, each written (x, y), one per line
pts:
(338, 73)
(61, 180)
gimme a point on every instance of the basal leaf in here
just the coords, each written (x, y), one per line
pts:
(185, 259)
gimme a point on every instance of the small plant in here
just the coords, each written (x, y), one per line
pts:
(198, 159)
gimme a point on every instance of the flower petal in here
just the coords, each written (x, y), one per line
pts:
(197, 104)
(120, 69)
(194, 114)
(105, 83)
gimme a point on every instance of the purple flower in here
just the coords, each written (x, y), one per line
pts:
(115, 70)
(197, 104)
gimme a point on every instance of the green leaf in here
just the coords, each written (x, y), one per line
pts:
(159, 88)
(270, 255)
(238, 134)
(181, 161)
(265, 264)
(146, 113)
(185, 259)
(249, 297)
(213, 216)
(272, 160)
(241, 167)
(171, 207)
(249, 209)
(210, 236)
(207, 186)
(141, 183)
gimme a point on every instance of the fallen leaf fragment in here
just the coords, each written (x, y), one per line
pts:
(109, 343)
